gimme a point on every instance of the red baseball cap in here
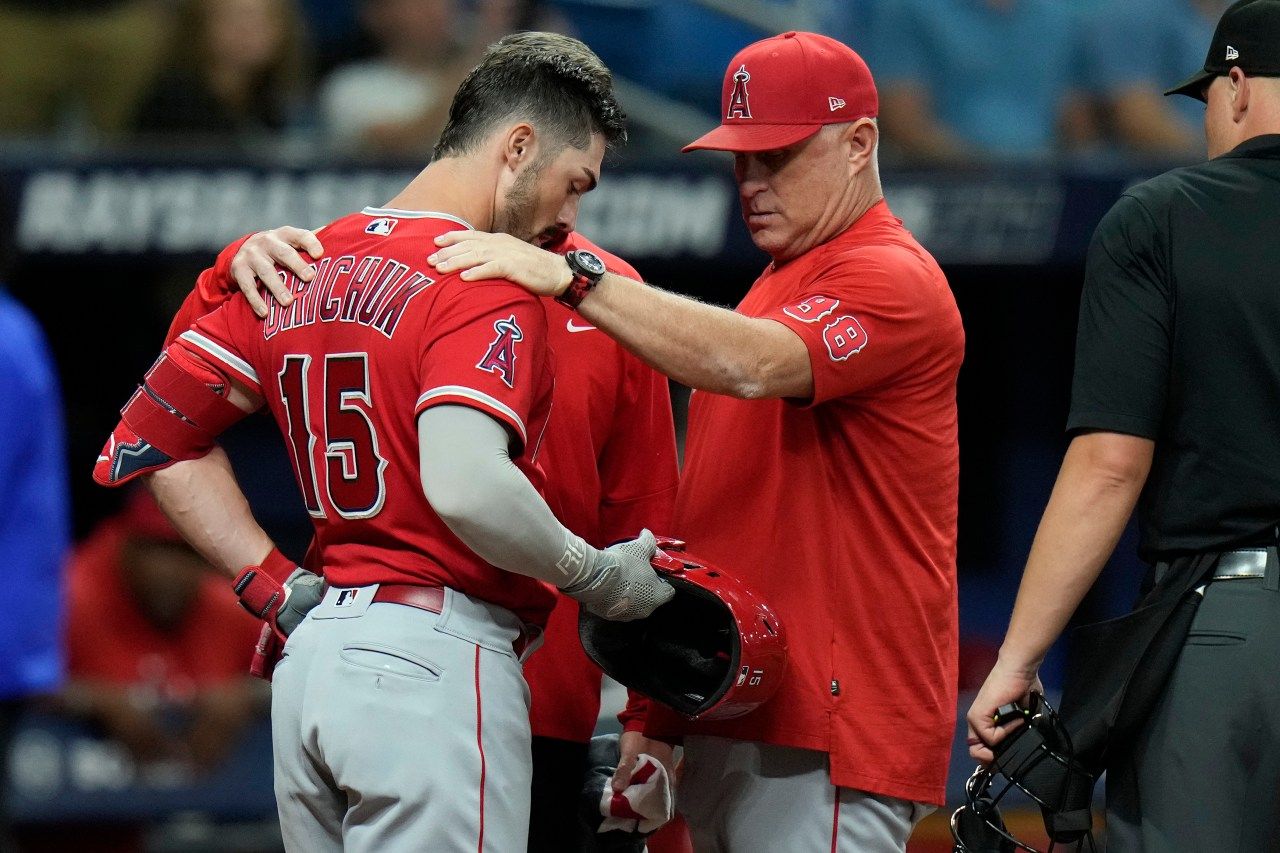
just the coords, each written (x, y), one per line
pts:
(784, 89)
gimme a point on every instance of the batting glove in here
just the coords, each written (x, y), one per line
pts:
(279, 592)
(622, 584)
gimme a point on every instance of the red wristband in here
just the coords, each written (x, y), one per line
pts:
(261, 588)
(278, 566)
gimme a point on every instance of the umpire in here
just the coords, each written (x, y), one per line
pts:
(1176, 408)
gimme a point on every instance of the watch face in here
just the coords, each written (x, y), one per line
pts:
(590, 263)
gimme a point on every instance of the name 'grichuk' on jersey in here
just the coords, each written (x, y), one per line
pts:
(369, 290)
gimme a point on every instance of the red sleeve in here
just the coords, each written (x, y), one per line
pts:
(486, 347)
(638, 467)
(633, 716)
(864, 321)
(213, 287)
(220, 339)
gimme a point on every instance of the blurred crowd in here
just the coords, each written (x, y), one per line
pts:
(368, 75)
(154, 651)
(963, 82)
(973, 80)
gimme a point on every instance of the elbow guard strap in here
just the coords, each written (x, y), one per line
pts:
(191, 392)
(175, 414)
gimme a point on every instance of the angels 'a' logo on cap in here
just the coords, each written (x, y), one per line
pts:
(739, 101)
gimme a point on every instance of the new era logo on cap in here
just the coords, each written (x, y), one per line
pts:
(836, 103)
(1232, 53)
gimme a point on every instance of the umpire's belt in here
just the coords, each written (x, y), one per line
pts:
(431, 599)
(1244, 563)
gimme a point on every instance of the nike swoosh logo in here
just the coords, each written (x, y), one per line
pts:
(574, 328)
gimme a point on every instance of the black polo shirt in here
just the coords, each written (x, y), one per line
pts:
(1179, 342)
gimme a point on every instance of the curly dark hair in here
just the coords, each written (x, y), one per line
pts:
(554, 82)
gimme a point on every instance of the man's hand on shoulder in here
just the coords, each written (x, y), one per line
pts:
(479, 255)
(255, 264)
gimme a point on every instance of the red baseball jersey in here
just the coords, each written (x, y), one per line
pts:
(373, 341)
(841, 511)
(610, 460)
(610, 457)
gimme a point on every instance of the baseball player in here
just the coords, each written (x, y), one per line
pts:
(413, 407)
(826, 404)
(610, 456)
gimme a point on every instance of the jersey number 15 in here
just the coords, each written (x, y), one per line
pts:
(353, 468)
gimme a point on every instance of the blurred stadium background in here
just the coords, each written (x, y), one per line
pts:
(137, 137)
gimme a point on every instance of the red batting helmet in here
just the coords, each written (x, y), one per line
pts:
(715, 651)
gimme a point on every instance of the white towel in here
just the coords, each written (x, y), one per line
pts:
(644, 805)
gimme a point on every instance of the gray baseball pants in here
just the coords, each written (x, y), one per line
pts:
(395, 729)
(742, 796)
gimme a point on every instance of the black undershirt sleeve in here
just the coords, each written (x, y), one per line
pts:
(1123, 343)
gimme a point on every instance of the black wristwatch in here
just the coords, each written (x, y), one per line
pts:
(587, 269)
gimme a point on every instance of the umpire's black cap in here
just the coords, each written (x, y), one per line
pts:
(1248, 38)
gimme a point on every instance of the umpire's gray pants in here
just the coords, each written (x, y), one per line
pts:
(746, 797)
(395, 729)
(1204, 774)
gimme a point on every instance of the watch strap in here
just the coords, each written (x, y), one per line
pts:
(579, 286)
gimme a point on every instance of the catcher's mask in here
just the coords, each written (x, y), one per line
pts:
(713, 652)
(1039, 759)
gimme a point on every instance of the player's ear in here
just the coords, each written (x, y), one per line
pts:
(519, 145)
